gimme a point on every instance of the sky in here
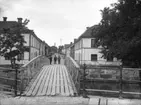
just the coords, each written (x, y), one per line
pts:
(57, 22)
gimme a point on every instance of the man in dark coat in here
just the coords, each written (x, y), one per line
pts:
(55, 59)
(59, 59)
(50, 59)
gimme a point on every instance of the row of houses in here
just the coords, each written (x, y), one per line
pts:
(83, 50)
(34, 45)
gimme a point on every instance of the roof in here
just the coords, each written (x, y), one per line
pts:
(7, 24)
(88, 33)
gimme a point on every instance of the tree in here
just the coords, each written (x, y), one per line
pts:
(120, 32)
(12, 41)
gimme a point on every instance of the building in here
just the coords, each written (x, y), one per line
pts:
(34, 45)
(66, 49)
(85, 51)
(53, 50)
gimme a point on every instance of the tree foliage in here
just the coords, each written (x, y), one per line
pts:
(12, 41)
(120, 32)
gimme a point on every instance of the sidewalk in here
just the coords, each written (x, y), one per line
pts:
(44, 101)
(93, 100)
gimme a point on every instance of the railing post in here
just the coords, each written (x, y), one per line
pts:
(16, 73)
(78, 78)
(84, 81)
(120, 83)
(29, 73)
(21, 80)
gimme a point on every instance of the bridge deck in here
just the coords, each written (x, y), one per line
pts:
(52, 80)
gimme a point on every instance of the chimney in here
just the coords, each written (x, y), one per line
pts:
(20, 20)
(4, 19)
(87, 27)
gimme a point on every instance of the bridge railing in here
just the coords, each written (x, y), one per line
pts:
(112, 81)
(7, 80)
(14, 81)
(29, 71)
(74, 71)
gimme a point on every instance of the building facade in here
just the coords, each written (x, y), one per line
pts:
(85, 51)
(34, 45)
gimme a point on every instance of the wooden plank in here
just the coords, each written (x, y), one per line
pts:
(69, 83)
(50, 81)
(62, 81)
(47, 81)
(6, 69)
(28, 93)
(43, 81)
(65, 81)
(35, 91)
(54, 82)
(58, 82)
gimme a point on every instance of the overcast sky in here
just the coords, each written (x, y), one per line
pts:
(56, 21)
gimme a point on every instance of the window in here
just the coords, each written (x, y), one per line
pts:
(7, 58)
(93, 57)
(20, 56)
(92, 43)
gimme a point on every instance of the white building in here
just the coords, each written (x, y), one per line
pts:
(66, 49)
(34, 45)
(86, 52)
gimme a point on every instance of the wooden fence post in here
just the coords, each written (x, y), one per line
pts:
(21, 81)
(84, 81)
(120, 83)
(16, 74)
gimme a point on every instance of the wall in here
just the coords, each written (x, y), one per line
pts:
(7, 62)
(86, 42)
(26, 38)
(83, 53)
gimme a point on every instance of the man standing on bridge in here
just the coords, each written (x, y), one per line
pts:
(50, 59)
(55, 59)
(59, 58)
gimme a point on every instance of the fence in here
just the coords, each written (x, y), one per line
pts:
(74, 71)
(7, 80)
(112, 81)
(16, 80)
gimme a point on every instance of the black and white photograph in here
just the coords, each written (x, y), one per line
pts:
(70, 52)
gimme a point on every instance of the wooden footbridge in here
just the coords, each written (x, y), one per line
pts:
(39, 82)
(39, 78)
(53, 80)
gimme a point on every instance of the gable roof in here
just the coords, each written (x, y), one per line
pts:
(7, 24)
(87, 33)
